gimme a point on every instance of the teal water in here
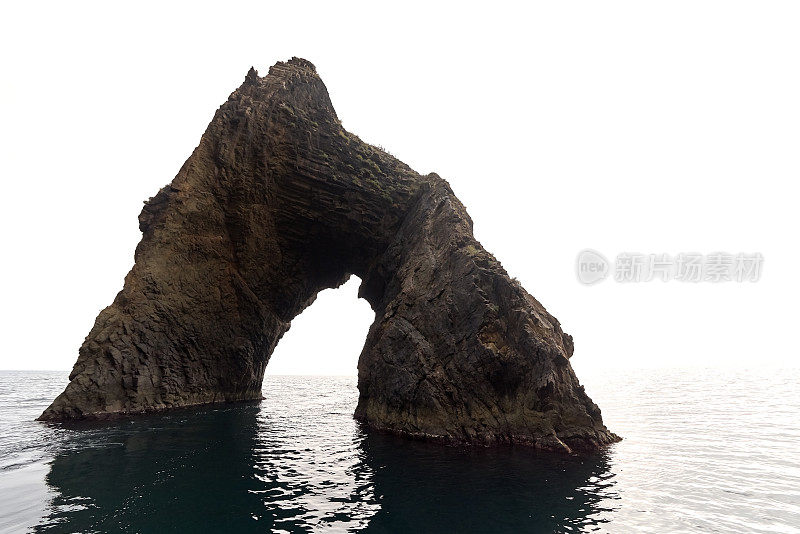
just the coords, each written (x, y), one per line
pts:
(704, 451)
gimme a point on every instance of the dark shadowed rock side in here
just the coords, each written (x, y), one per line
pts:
(279, 202)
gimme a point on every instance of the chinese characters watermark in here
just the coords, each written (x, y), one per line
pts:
(592, 267)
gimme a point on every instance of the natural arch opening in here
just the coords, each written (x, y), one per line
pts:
(327, 338)
(279, 202)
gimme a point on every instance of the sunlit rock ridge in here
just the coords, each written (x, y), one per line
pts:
(279, 202)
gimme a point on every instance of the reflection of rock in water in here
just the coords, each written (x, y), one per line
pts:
(237, 470)
(433, 489)
(190, 471)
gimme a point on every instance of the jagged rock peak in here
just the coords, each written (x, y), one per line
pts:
(295, 65)
(252, 76)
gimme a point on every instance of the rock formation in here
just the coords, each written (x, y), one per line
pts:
(279, 202)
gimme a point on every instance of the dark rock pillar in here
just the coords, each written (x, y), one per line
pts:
(279, 202)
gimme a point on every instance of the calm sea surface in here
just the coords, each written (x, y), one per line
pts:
(704, 451)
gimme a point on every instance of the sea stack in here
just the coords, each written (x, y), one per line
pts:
(279, 202)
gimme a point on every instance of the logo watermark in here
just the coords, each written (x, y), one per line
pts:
(592, 267)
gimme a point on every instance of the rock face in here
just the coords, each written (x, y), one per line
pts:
(279, 202)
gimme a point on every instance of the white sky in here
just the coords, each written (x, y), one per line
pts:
(620, 126)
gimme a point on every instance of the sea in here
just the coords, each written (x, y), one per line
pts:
(704, 450)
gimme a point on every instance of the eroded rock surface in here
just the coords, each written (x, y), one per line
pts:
(279, 202)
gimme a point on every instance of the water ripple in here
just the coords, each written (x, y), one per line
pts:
(704, 451)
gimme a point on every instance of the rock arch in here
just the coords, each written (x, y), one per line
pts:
(279, 202)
